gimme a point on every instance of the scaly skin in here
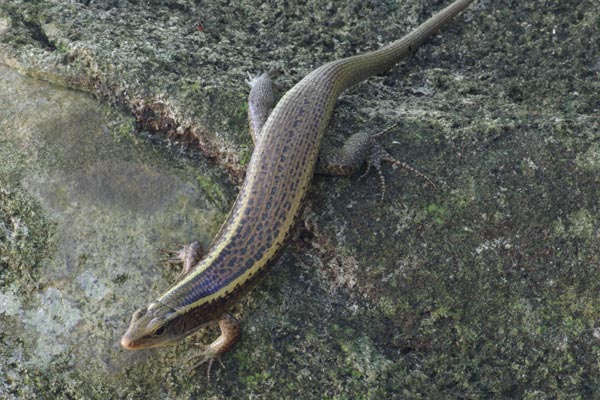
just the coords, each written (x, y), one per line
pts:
(268, 205)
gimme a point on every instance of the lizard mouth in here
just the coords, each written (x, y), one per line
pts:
(128, 343)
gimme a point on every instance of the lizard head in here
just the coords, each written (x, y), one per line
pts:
(156, 326)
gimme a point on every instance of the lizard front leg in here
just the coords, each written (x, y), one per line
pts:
(188, 256)
(231, 332)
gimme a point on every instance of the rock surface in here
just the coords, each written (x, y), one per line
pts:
(488, 286)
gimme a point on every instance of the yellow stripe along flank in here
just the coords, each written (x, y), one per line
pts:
(240, 280)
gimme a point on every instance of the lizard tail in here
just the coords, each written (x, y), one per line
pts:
(349, 71)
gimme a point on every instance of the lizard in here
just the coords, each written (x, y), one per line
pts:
(287, 138)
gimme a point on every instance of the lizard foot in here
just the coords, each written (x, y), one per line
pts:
(379, 155)
(206, 354)
(252, 80)
(231, 332)
(188, 256)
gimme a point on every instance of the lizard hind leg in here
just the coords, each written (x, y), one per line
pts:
(378, 155)
(261, 101)
(362, 147)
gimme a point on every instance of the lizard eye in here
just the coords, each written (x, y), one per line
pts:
(160, 331)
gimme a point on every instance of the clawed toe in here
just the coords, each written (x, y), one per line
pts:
(251, 79)
(172, 256)
(378, 156)
(206, 355)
